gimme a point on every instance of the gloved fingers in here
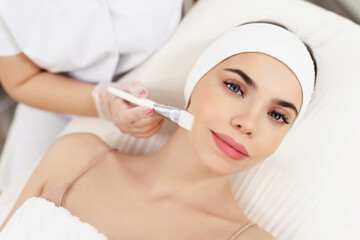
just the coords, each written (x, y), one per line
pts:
(135, 88)
(144, 128)
(103, 99)
(138, 121)
(151, 133)
(144, 134)
(147, 120)
(125, 114)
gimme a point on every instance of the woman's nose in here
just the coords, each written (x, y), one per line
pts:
(244, 129)
(246, 123)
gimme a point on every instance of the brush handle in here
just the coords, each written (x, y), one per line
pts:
(131, 98)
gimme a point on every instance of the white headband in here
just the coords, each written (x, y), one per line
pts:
(264, 38)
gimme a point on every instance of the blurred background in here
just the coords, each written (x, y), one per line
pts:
(7, 107)
(347, 8)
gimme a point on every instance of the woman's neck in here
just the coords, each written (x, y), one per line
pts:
(175, 171)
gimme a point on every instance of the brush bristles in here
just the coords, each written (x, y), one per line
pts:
(186, 120)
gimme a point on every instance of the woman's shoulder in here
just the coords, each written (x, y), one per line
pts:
(79, 139)
(80, 146)
(75, 144)
(69, 154)
(64, 158)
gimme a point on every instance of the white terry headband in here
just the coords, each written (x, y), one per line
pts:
(264, 38)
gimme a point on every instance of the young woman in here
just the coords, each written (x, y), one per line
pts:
(245, 92)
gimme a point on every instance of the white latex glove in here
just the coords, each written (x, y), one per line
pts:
(139, 121)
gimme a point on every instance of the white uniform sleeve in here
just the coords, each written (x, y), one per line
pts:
(8, 46)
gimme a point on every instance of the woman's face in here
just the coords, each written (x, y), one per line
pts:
(251, 99)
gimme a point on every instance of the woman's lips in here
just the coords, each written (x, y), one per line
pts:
(229, 146)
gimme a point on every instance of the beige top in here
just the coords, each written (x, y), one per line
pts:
(59, 195)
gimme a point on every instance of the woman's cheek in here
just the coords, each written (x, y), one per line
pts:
(208, 110)
(217, 117)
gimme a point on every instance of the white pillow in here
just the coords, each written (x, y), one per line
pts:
(309, 189)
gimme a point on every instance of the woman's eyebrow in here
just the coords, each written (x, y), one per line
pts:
(285, 104)
(246, 78)
(252, 84)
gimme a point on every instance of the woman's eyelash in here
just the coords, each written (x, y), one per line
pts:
(277, 116)
(234, 87)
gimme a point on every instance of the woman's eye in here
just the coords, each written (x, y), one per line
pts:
(234, 87)
(279, 117)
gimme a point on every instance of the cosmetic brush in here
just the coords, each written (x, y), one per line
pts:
(181, 117)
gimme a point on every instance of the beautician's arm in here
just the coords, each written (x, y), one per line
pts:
(25, 82)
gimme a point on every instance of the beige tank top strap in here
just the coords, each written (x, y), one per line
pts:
(241, 230)
(58, 196)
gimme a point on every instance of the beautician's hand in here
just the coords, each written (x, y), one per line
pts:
(139, 121)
